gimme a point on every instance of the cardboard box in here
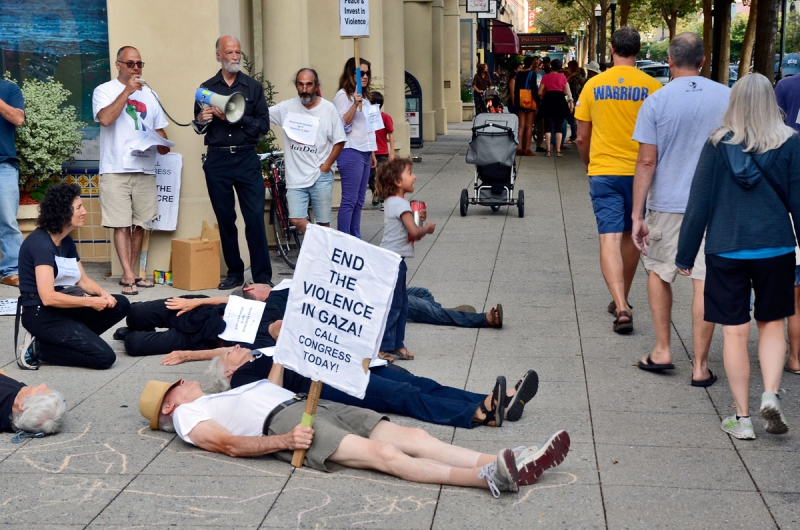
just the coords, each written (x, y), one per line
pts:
(195, 263)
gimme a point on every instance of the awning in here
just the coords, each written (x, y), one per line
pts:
(504, 39)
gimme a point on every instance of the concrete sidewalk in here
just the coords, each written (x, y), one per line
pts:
(647, 450)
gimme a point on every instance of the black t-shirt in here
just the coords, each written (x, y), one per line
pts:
(39, 249)
(9, 388)
(526, 77)
(274, 308)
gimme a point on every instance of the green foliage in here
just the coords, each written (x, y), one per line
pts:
(466, 90)
(658, 51)
(267, 142)
(51, 133)
(738, 28)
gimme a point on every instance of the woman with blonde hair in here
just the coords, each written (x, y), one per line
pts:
(746, 184)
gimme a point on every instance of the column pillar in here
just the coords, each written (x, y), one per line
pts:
(285, 41)
(437, 65)
(452, 61)
(419, 61)
(394, 80)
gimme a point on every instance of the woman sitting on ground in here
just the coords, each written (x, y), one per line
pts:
(64, 312)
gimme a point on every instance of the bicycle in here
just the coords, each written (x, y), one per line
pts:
(287, 237)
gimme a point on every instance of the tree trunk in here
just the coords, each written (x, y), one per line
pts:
(707, 21)
(766, 29)
(749, 39)
(721, 56)
(624, 10)
(672, 24)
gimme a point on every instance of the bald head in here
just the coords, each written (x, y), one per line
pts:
(229, 53)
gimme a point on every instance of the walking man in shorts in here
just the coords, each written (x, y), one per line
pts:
(672, 128)
(309, 178)
(125, 109)
(264, 418)
(606, 114)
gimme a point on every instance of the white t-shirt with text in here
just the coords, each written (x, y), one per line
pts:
(140, 113)
(302, 160)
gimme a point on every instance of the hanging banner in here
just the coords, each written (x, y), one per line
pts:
(337, 309)
(478, 6)
(168, 187)
(353, 18)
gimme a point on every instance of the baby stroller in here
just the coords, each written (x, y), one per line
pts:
(493, 151)
(494, 104)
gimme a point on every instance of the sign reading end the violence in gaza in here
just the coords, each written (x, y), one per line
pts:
(337, 308)
(353, 18)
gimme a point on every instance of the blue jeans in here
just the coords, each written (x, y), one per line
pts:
(395, 332)
(319, 194)
(354, 171)
(10, 236)
(393, 391)
(423, 308)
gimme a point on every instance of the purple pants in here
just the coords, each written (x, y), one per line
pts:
(354, 171)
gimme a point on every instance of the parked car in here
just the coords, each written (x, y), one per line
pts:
(659, 71)
(644, 62)
(734, 74)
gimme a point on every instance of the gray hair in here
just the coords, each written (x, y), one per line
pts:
(626, 42)
(686, 50)
(753, 118)
(215, 380)
(219, 40)
(165, 422)
(41, 413)
(119, 52)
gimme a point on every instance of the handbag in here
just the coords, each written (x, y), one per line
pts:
(526, 100)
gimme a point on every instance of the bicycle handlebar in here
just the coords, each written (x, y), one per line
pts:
(272, 154)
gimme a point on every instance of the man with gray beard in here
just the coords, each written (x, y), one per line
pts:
(232, 164)
(309, 158)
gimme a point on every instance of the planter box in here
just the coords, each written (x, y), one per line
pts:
(467, 111)
(26, 217)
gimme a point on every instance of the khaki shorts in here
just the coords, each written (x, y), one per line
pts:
(665, 228)
(128, 199)
(332, 423)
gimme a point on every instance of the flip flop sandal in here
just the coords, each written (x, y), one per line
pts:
(623, 327)
(147, 283)
(400, 356)
(498, 404)
(787, 369)
(526, 390)
(706, 382)
(386, 356)
(134, 291)
(650, 366)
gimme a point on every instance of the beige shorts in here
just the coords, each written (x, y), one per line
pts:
(665, 228)
(332, 422)
(128, 199)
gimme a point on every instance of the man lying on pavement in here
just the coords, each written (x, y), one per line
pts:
(264, 418)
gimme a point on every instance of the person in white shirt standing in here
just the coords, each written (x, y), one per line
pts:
(126, 110)
(313, 137)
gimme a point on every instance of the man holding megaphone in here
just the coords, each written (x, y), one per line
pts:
(232, 126)
(126, 109)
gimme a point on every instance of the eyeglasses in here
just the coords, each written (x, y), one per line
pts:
(131, 64)
(365, 73)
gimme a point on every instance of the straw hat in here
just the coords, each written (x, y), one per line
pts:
(151, 399)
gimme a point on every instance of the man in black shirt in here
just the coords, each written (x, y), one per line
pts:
(30, 408)
(232, 163)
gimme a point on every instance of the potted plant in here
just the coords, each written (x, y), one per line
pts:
(50, 136)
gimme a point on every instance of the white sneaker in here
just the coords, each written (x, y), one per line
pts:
(741, 428)
(533, 461)
(771, 411)
(502, 474)
(28, 353)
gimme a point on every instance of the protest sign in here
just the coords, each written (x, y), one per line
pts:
(302, 128)
(242, 318)
(168, 187)
(374, 119)
(8, 306)
(354, 18)
(337, 308)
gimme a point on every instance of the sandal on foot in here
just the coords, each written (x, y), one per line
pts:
(705, 383)
(132, 290)
(402, 356)
(495, 316)
(558, 154)
(526, 389)
(547, 153)
(623, 327)
(498, 404)
(386, 356)
(612, 307)
(144, 282)
(649, 366)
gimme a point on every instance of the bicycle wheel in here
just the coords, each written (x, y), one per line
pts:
(287, 237)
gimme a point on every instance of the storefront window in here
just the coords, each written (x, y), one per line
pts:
(65, 39)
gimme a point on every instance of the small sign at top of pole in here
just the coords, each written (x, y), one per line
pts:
(353, 18)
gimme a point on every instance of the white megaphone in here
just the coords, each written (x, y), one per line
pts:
(232, 106)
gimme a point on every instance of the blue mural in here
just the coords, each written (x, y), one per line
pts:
(65, 39)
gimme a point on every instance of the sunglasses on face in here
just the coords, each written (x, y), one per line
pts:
(366, 73)
(131, 64)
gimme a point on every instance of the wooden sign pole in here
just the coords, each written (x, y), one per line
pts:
(358, 69)
(308, 418)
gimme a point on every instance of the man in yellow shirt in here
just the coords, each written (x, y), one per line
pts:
(606, 114)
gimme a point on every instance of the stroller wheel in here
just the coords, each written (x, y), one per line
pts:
(521, 204)
(495, 207)
(464, 203)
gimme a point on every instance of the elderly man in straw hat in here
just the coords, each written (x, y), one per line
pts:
(263, 418)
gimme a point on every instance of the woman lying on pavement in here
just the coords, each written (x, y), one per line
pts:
(389, 390)
(263, 418)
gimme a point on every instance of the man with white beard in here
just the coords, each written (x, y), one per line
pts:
(232, 164)
(309, 178)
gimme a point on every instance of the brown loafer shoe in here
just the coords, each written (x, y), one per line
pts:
(12, 280)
